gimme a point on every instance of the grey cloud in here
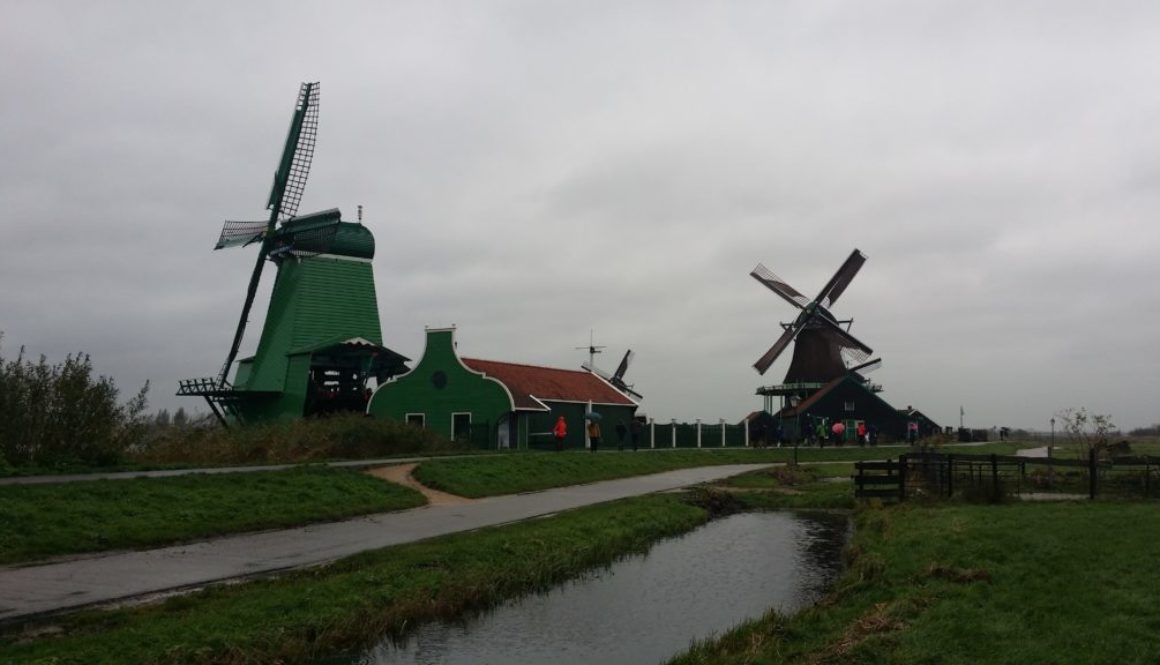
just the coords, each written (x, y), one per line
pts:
(534, 170)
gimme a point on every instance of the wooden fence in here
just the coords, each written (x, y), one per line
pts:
(993, 476)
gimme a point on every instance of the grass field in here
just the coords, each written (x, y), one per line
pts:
(926, 583)
(790, 487)
(1020, 583)
(525, 472)
(356, 601)
(39, 521)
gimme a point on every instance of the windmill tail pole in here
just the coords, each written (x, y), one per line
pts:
(251, 291)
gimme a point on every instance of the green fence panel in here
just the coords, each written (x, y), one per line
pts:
(664, 435)
(735, 435)
(686, 435)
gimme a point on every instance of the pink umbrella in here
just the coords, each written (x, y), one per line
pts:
(838, 428)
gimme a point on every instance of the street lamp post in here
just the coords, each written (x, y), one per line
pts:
(1050, 452)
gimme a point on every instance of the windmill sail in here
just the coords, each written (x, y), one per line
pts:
(774, 351)
(294, 168)
(779, 286)
(236, 234)
(841, 279)
(623, 367)
(289, 183)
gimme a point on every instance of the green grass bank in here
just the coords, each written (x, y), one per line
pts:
(526, 472)
(1019, 583)
(353, 603)
(39, 521)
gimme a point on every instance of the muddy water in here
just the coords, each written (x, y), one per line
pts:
(645, 609)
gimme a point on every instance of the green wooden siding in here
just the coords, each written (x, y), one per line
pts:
(315, 300)
(438, 387)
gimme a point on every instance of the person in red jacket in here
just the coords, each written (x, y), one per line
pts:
(560, 431)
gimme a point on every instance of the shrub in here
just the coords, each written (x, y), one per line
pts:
(59, 414)
(344, 436)
(1089, 431)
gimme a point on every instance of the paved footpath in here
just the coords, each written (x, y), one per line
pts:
(38, 589)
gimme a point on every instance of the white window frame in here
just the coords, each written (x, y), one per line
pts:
(460, 413)
(848, 406)
(422, 419)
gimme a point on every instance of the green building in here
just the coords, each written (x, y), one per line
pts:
(850, 399)
(498, 404)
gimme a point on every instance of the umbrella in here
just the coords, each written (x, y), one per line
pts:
(592, 415)
(838, 428)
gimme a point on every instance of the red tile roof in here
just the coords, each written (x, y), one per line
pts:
(529, 383)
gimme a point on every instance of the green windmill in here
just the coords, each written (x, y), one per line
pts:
(321, 343)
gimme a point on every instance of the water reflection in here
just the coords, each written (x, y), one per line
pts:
(647, 608)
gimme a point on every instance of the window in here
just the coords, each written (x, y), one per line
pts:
(460, 426)
(417, 419)
(849, 406)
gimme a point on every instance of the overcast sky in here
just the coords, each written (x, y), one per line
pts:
(533, 170)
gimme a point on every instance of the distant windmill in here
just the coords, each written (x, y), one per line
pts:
(617, 378)
(322, 339)
(819, 338)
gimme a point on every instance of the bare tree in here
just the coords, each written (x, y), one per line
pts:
(1089, 431)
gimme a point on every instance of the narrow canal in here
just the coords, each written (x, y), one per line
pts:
(648, 608)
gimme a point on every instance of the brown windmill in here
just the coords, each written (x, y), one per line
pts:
(820, 339)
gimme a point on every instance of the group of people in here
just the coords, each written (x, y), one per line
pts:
(633, 428)
(865, 435)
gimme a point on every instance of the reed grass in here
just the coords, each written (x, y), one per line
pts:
(344, 436)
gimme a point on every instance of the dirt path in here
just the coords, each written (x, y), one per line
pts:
(401, 474)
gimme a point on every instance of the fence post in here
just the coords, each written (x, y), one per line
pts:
(995, 475)
(652, 433)
(722, 432)
(698, 432)
(673, 438)
(1050, 468)
(902, 477)
(746, 432)
(1092, 474)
